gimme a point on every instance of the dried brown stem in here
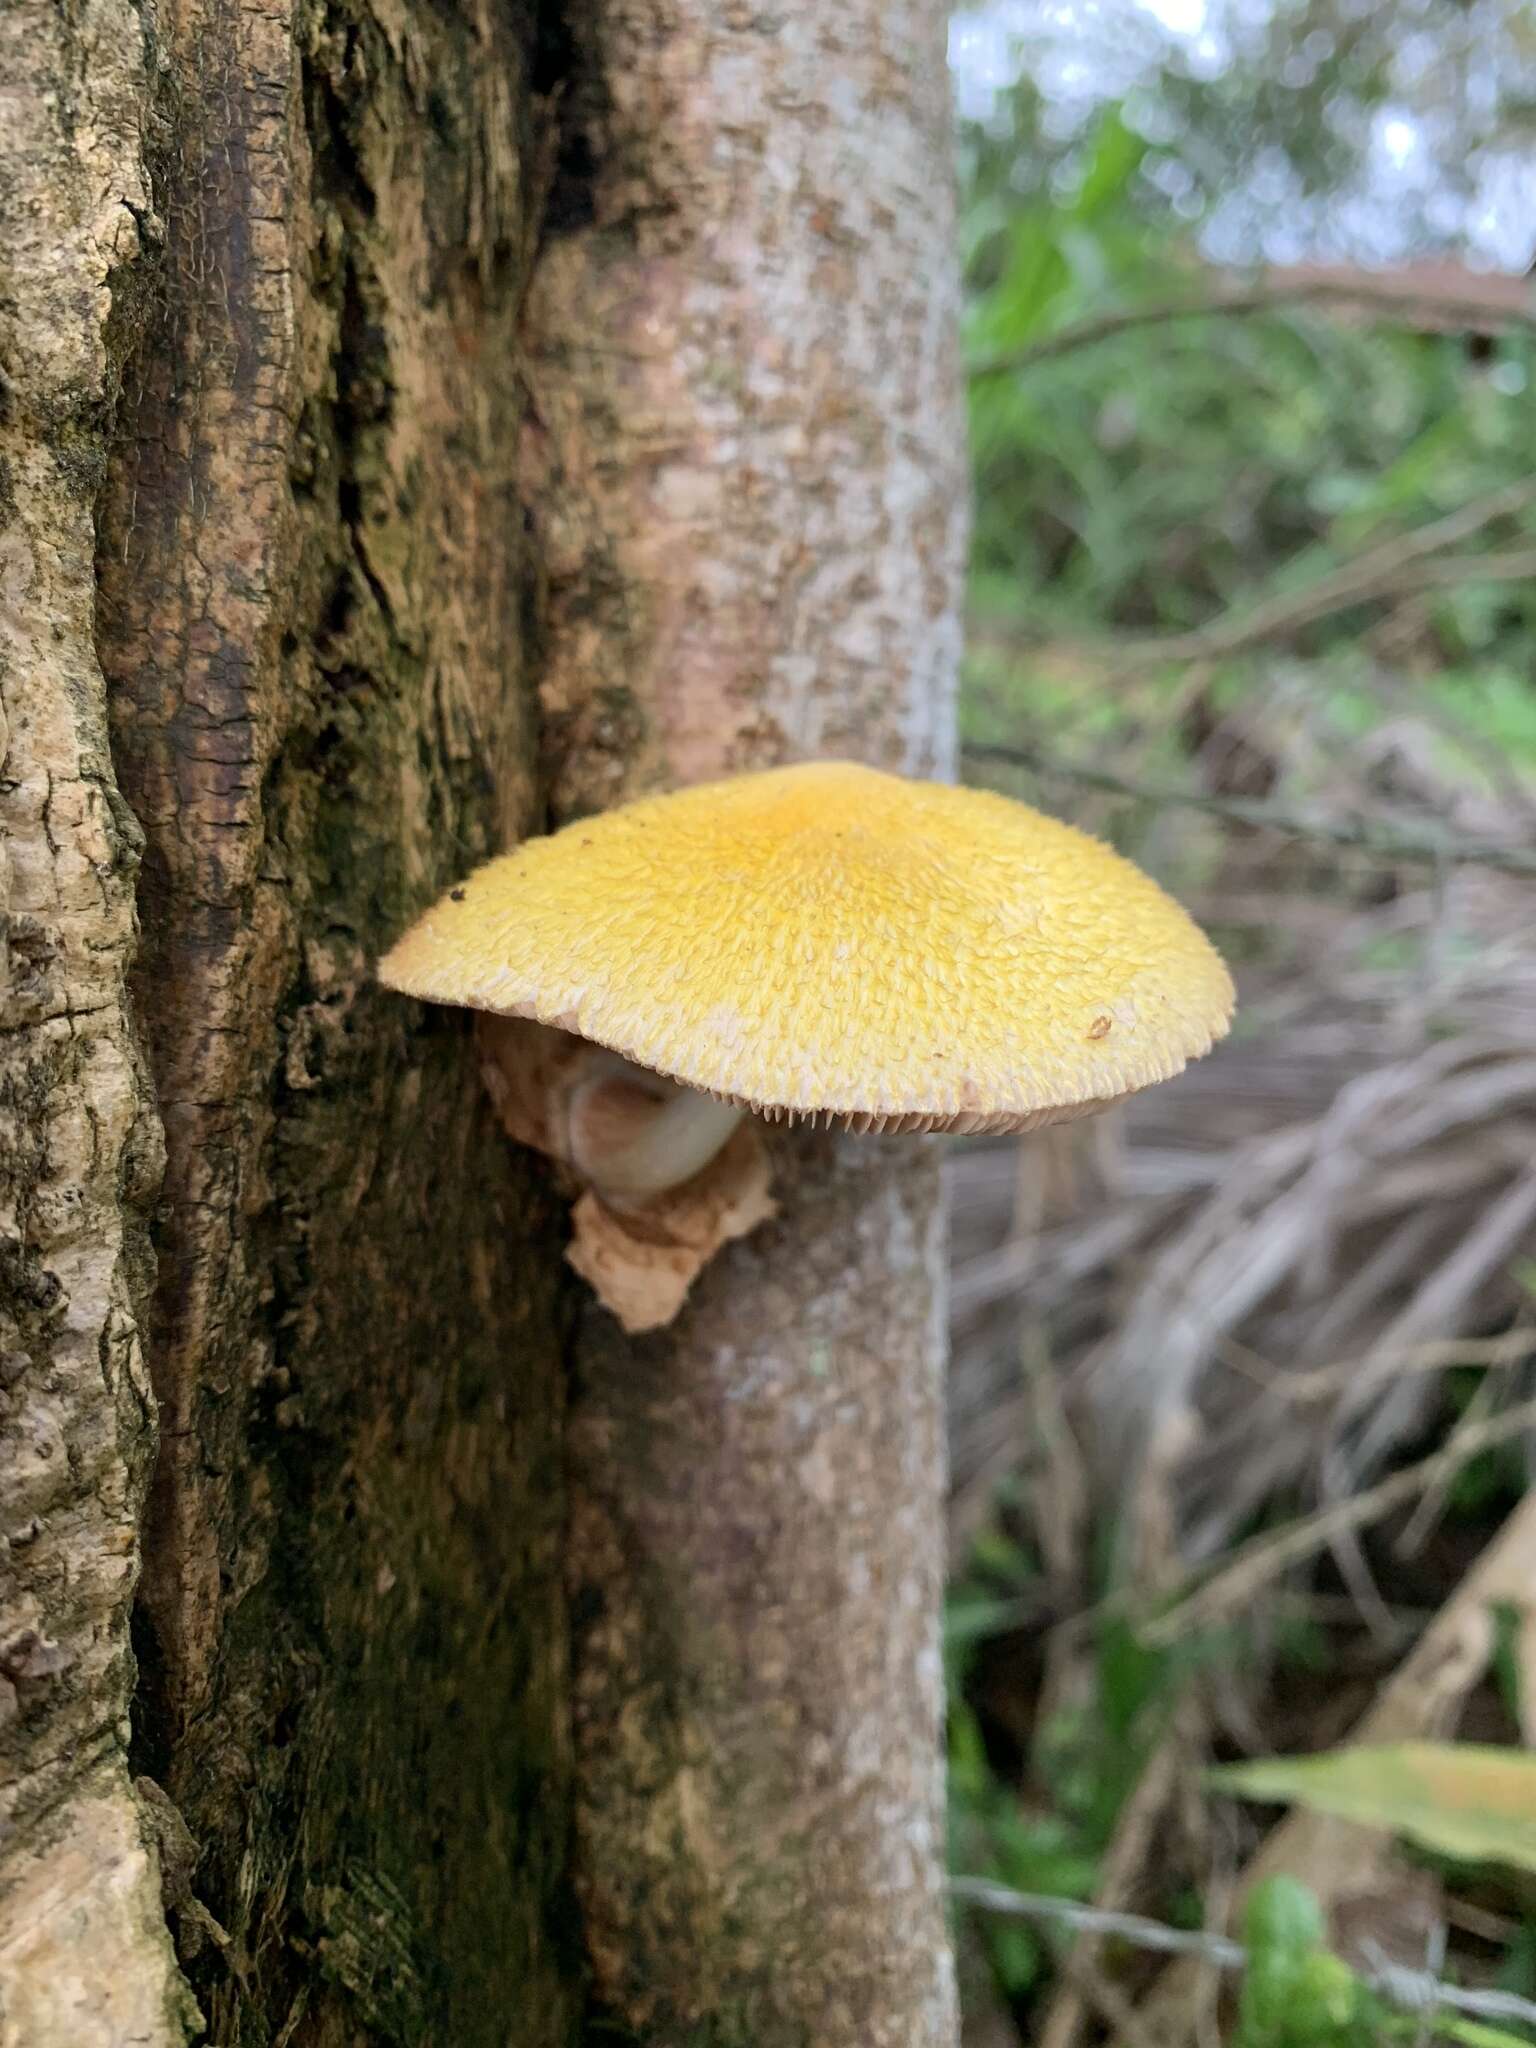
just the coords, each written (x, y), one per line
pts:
(1393, 300)
(1384, 841)
(1256, 1564)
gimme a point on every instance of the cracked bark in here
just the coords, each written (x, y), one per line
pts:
(313, 584)
(746, 459)
(84, 1951)
(292, 418)
(269, 343)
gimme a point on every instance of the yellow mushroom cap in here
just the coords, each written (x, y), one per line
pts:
(826, 939)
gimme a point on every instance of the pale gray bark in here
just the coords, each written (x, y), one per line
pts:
(85, 1956)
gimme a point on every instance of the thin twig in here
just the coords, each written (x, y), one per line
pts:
(1106, 1998)
(1237, 304)
(1126, 1854)
(1264, 1558)
(1318, 1382)
(1514, 565)
(1401, 563)
(1430, 1504)
(1375, 571)
(1365, 835)
(1413, 1990)
(1205, 1991)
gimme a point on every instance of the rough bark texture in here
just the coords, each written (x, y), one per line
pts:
(748, 448)
(301, 242)
(312, 588)
(84, 1952)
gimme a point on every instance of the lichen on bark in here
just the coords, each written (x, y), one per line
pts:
(84, 1952)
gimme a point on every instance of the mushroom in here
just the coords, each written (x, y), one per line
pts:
(823, 942)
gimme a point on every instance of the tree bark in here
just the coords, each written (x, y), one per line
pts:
(84, 1951)
(747, 428)
(379, 494)
(313, 579)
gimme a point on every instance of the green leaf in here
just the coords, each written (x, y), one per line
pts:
(1325, 1998)
(1282, 1930)
(974, 1620)
(1015, 1954)
(1114, 158)
(1460, 1799)
(1282, 1919)
(1475, 2033)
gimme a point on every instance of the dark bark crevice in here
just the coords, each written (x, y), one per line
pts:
(314, 586)
(569, 90)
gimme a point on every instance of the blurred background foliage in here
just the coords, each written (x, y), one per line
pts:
(1242, 1401)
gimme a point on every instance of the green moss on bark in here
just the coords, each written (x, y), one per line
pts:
(352, 1632)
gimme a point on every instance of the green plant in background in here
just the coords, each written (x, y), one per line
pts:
(1048, 1836)
(1295, 1994)
(1266, 481)
(1290, 533)
(1039, 1821)
(1468, 1801)
(991, 1831)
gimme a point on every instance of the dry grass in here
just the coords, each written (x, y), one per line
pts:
(1252, 1260)
(1236, 1297)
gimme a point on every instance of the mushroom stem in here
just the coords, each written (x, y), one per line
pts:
(632, 1135)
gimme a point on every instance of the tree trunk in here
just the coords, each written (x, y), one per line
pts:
(331, 495)
(84, 1951)
(312, 585)
(747, 418)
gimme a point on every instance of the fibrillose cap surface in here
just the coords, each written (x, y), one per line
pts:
(827, 939)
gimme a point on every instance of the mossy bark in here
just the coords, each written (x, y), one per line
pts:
(270, 265)
(314, 583)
